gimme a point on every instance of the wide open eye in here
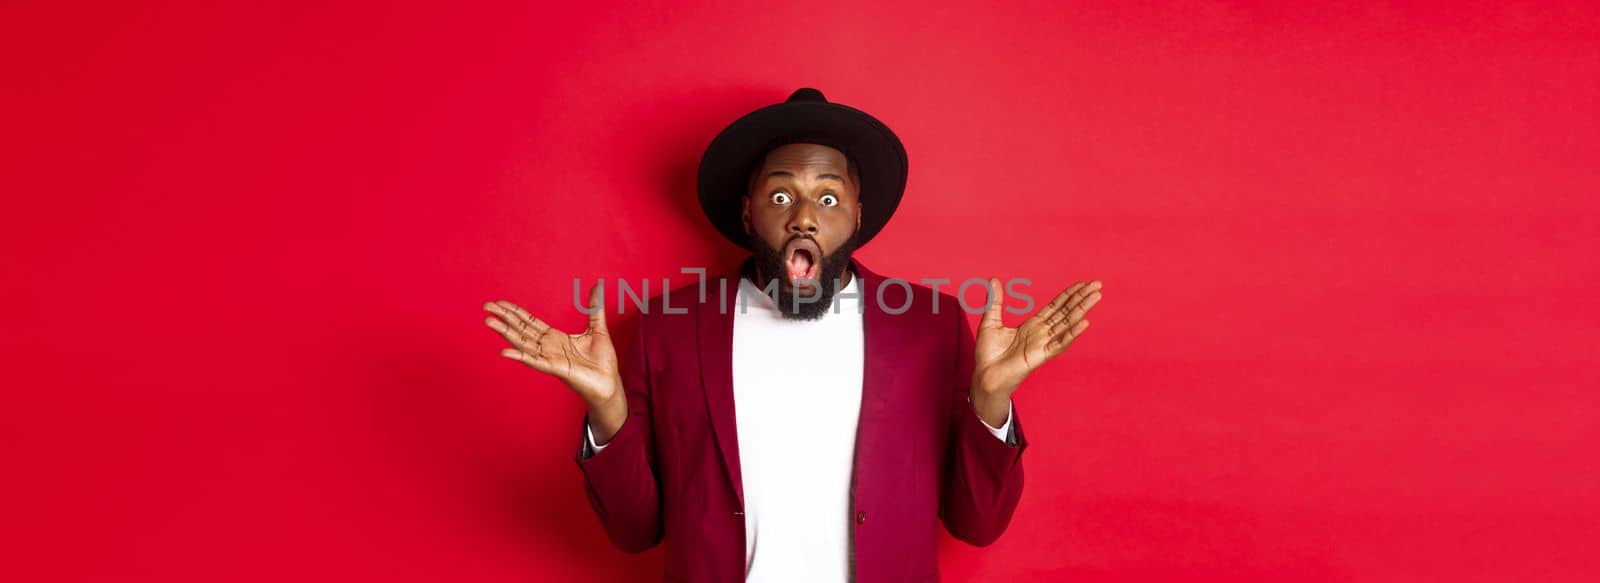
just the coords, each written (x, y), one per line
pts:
(829, 200)
(780, 198)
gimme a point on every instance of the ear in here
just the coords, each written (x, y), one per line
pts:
(748, 229)
(858, 215)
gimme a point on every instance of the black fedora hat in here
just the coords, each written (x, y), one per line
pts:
(806, 117)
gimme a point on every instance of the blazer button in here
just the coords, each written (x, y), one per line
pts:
(861, 518)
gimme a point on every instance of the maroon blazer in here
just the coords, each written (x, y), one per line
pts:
(671, 473)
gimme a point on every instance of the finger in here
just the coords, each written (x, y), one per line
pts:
(1049, 314)
(1074, 315)
(997, 300)
(521, 320)
(1060, 343)
(1077, 297)
(1089, 302)
(531, 322)
(597, 318)
(505, 314)
(537, 363)
(518, 338)
(497, 325)
(1064, 314)
(1055, 304)
(1075, 309)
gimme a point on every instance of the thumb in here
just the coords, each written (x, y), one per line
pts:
(997, 300)
(597, 317)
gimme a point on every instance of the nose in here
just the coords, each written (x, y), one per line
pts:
(803, 221)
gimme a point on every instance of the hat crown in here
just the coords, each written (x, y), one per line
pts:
(805, 117)
(806, 94)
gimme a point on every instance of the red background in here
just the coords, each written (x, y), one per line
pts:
(1348, 332)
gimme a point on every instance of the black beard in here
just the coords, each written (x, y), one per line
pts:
(791, 305)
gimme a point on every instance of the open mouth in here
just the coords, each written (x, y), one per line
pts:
(802, 257)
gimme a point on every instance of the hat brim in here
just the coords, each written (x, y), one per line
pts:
(879, 157)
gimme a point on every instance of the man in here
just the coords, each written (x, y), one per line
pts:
(819, 423)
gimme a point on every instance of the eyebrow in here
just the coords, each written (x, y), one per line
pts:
(789, 174)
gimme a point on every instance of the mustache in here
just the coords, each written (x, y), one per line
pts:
(768, 267)
(770, 260)
(814, 240)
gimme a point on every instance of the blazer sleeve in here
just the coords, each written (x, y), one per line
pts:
(983, 475)
(621, 481)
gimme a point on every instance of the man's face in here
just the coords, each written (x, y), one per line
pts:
(804, 202)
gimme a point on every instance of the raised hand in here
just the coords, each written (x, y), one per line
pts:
(1003, 356)
(586, 362)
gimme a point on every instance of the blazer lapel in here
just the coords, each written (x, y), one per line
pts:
(715, 329)
(879, 337)
(714, 324)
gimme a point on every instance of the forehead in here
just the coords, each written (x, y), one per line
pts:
(807, 157)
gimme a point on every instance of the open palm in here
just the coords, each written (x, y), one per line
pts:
(1004, 356)
(586, 362)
